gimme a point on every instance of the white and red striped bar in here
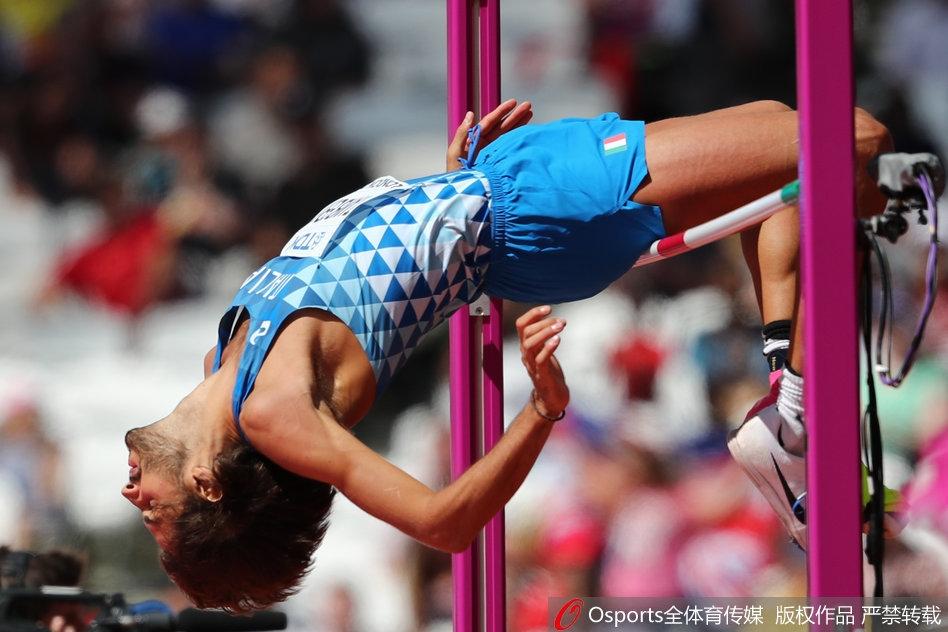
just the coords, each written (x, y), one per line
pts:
(723, 226)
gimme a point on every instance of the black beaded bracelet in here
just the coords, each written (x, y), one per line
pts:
(533, 399)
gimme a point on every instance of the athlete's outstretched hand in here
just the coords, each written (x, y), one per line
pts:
(505, 117)
(539, 337)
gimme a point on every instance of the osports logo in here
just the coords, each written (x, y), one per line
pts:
(568, 614)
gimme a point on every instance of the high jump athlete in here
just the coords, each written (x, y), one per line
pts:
(236, 483)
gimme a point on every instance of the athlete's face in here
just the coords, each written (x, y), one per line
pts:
(155, 479)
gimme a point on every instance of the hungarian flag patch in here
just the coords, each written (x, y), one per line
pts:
(614, 144)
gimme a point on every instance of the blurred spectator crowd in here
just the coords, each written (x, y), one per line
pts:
(191, 125)
(183, 131)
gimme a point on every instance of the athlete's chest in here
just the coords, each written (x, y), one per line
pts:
(311, 353)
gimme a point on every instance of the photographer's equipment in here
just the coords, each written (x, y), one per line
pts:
(913, 183)
(14, 569)
(24, 610)
(28, 608)
(193, 620)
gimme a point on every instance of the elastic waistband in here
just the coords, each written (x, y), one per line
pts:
(500, 188)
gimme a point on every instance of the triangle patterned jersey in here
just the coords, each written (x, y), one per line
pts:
(403, 259)
(544, 214)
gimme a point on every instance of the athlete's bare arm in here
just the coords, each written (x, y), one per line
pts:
(311, 443)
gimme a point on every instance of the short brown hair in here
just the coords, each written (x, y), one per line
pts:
(251, 548)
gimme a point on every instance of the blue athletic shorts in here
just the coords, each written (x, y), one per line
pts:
(563, 224)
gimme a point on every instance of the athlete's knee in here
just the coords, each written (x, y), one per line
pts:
(872, 137)
(769, 105)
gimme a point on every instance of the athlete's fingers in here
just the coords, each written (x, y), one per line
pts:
(549, 347)
(527, 320)
(547, 377)
(461, 134)
(505, 117)
(495, 116)
(531, 315)
(512, 115)
(535, 351)
(540, 337)
(520, 115)
(535, 357)
(542, 332)
(531, 328)
(456, 148)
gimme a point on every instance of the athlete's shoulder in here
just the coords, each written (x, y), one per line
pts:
(285, 377)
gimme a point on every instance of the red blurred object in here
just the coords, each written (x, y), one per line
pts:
(530, 608)
(573, 540)
(925, 497)
(638, 362)
(120, 268)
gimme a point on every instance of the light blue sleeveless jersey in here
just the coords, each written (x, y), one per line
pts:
(394, 268)
(545, 214)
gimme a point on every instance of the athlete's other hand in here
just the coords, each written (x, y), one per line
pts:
(539, 334)
(505, 117)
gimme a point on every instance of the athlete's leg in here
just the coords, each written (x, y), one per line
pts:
(703, 166)
(872, 139)
(777, 237)
(754, 107)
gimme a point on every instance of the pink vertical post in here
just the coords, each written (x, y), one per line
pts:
(464, 566)
(495, 583)
(825, 95)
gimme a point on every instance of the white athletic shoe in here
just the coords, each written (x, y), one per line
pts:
(757, 446)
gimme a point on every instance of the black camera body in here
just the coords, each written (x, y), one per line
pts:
(26, 610)
(897, 177)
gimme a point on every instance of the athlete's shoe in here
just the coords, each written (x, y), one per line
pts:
(757, 445)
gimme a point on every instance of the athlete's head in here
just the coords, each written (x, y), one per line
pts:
(235, 530)
(250, 547)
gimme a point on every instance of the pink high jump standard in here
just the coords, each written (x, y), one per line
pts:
(473, 372)
(825, 100)
(828, 261)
